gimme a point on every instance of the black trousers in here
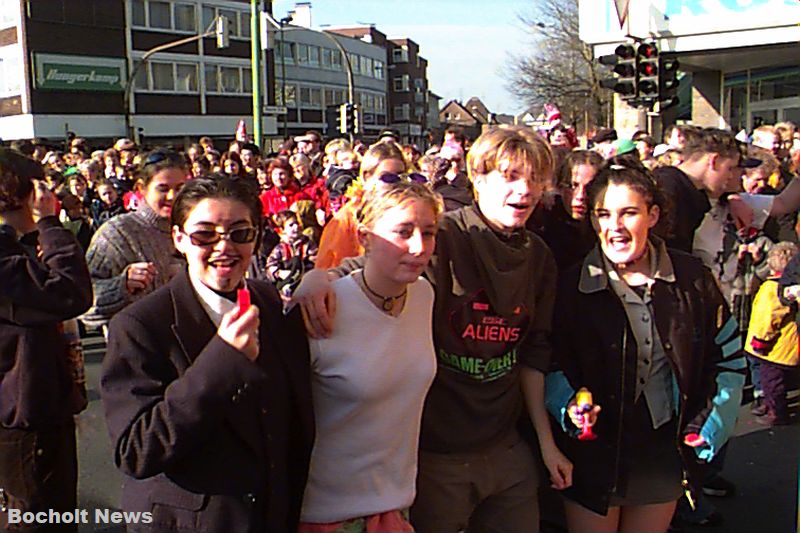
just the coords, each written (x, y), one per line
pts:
(38, 472)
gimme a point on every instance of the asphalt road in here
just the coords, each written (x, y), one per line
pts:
(762, 462)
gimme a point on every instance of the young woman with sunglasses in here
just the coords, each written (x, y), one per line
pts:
(368, 396)
(132, 254)
(208, 399)
(340, 237)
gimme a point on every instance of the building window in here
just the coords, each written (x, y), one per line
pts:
(313, 56)
(378, 69)
(336, 60)
(380, 103)
(229, 78)
(162, 76)
(290, 95)
(159, 16)
(212, 79)
(311, 97)
(400, 54)
(184, 17)
(288, 52)
(186, 78)
(302, 54)
(137, 13)
(419, 111)
(366, 65)
(400, 83)
(401, 112)
(244, 24)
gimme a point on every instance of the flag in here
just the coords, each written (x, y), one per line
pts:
(241, 132)
(622, 11)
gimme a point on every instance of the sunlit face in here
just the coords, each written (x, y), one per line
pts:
(507, 195)
(280, 178)
(107, 194)
(291, 229)
(162, 189)
(77, 186)
(302, 172)
(644, 149)
(582, 176)
(197, 169)
(192, 153)
(676, 139)
(263, 178)
(767, 141)
(248, 158)
(57, 162)
(754, 180)
(559, 138)
(400, 244)
(623, 220)
(221, 266)
(722, 175)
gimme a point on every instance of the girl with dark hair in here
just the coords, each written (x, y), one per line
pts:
(132, 254)
(658, 350)
(231, 164)
(561, 219)
(208, 403)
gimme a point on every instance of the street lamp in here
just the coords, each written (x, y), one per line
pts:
(283, 22)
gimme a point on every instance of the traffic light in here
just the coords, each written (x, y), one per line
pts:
(668, 82)
(347, 118)
(357, 124)
(624, 62)
(223, 31)
(647, 63)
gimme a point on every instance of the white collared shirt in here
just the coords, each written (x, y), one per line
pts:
(215, 305)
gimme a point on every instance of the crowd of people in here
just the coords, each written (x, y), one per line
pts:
(405, 356)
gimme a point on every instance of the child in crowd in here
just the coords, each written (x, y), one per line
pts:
(107, 205)
(772, 337)
(74, 218)
(292, 257)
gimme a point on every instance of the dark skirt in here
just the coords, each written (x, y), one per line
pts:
(650, 470)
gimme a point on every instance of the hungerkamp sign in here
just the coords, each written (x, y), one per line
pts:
(79, 73)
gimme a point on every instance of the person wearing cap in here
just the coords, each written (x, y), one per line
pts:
(43, 283)
(603, 141)
(309, 144)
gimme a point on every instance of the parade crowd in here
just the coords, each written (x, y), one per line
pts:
(342, 337)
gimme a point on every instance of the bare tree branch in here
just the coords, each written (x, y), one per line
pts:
(559, 68)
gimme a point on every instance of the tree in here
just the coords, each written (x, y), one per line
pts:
(561, 68)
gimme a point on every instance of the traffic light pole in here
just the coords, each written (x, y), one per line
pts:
(126, 97)
(255, 70)
(351, 93)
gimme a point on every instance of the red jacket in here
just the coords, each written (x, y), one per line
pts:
(276, 200)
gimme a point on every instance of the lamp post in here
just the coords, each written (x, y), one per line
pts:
(281, 23)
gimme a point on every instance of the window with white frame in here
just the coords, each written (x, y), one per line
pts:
(244, 24)
(336, 60)
(186, 77)
(400, 83)
(311, 97)
(325, 58)
(11, 71)
(380, 103)
(162, 15)
(366, 65)
(400, 54)
(226, 79)
(313, 55)
(401, 112)
(302, 54)
(354, 65)
(378, 69)
(162, 76)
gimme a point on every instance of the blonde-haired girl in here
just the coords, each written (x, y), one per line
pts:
(368, 397)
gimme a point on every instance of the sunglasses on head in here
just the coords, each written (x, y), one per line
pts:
(211, 237)
(392, 178)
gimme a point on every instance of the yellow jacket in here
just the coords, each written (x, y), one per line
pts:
(772, 333)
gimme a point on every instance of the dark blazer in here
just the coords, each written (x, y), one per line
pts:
(210, 441)
(36, 385)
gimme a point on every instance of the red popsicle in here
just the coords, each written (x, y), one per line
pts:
(693, 439)
(243, 299)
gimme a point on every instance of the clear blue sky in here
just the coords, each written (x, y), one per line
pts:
(466, 42)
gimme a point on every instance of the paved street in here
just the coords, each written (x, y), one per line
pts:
(762, 462)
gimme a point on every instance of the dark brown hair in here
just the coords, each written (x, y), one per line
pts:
(17, 173)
